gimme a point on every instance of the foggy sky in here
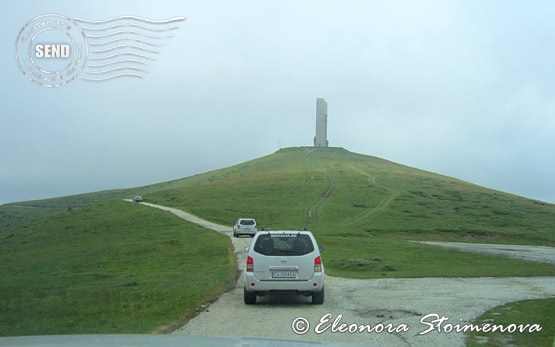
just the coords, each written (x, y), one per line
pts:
(461, 88)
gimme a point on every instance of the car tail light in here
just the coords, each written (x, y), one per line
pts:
(238, 226)
(250, 264)
(317, 264)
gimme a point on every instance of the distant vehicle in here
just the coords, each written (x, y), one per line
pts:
(283, 262)
(137, 199)
(244, 226)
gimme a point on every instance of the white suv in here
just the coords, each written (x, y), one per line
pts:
(281, 262)
(244, 226)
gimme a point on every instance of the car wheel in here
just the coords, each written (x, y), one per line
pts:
(248, 297)
(318, 297)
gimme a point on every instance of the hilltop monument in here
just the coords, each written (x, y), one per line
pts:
(321, 138)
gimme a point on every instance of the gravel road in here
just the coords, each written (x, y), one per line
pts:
(533, 253)
(406, 306)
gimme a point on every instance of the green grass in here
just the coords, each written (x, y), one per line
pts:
(343, 196)
(365, 208)
(91, 264)
(540, 312)
(383, 257)
(19, 214)
(333, 189)
(115, 267)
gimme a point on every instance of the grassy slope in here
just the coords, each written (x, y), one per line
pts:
(109, 268)
(333, 190)
(70, 265)
(363, 209)
(26, 212)
(522, 312)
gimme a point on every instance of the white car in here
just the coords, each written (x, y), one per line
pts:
(244, 226)
(284, 262)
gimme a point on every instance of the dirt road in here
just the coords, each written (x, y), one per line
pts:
(408, 307)
(533, 253)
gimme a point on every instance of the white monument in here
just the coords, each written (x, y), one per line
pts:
(321, 138)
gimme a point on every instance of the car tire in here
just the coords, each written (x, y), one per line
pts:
(248, 297)
(318, 297)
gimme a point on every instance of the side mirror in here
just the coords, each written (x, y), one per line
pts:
(246, 249)
(321, 248)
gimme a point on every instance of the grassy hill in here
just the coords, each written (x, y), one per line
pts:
(93, 263)
(27, 212)
(336, 194)
(113, 267)
(364, 209)
(332, 190)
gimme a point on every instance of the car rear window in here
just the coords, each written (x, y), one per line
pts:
(247, 222)
(284, 244)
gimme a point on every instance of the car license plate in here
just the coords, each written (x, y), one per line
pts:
(284, 274)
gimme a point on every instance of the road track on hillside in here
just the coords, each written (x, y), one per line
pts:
(381, 206)
(311, 212)
(374, 301)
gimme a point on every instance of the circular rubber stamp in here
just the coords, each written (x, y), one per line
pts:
(51, 50)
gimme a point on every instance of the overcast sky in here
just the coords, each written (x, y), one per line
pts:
(461, 88)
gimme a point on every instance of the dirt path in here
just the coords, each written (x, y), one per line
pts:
(381, 206)
(401, 303)
(239, 244)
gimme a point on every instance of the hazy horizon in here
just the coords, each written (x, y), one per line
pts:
(200, 173)
(459, 88)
